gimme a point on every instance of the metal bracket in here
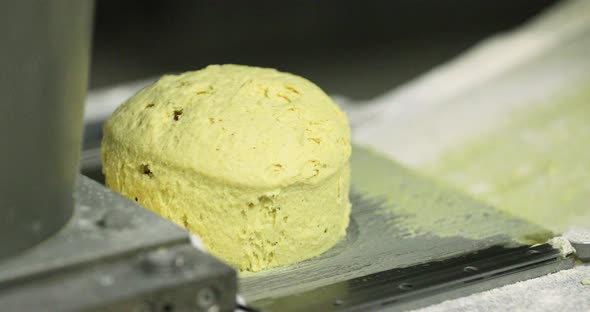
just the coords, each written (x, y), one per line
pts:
(114, 255)
(429, 283)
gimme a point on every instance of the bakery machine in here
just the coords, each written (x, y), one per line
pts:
(68, 243)
(71, 244)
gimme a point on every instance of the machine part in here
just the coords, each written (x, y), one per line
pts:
(582, 250)
(580, 240)
(429, 283)
(115, 256)
(563, 245)
(42, 90)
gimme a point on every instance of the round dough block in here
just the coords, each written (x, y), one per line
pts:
(252, 160)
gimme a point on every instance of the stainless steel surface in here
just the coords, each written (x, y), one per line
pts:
(579, 238)
(382, 238)
(44, 62)
(115, 256)
(582, 250)
(426, 284)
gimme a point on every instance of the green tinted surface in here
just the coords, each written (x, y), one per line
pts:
(430, 208)
(536, 166)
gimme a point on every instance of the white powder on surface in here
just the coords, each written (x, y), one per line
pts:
(561, 291)
(563, 244)
(577, 235)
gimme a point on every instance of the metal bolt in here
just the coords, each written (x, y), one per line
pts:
(112, 220)
(101, 222)
(162, 260)
(207, 299)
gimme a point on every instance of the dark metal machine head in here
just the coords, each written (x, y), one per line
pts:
(65, 247)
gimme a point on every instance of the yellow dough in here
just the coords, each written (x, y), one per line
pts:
(252, 160)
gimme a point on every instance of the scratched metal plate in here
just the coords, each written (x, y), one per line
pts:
(399, 219)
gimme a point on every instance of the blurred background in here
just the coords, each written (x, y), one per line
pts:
(359, 49)
(487, 96)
